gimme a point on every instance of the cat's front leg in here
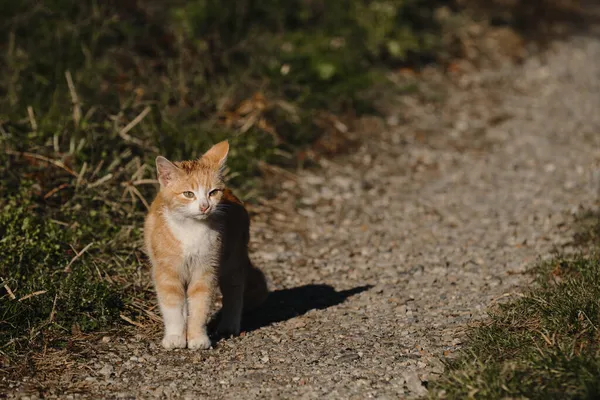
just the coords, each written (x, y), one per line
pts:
(171, 300)
(199, 295)
(232, 288)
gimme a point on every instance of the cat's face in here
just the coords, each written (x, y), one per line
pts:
(193, 189)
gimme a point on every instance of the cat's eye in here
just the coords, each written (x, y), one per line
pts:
(213, 192)
(189, 195)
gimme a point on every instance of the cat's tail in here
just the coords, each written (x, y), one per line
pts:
(256, 290)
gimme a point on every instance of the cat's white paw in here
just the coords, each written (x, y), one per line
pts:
(200, 342)
(174, 342)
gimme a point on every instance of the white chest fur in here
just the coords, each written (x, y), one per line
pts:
(199, 242)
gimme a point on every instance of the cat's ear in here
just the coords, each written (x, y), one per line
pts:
(165, 170)
(217, 154)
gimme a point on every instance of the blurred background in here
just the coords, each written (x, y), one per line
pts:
(92, 91)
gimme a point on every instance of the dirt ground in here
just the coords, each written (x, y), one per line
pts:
(380, 259)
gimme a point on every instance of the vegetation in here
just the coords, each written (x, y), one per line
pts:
(92, 91)
(543, 345)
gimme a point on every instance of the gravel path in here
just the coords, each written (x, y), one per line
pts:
(380, 259)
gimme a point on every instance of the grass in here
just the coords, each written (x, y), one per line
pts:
(92, 91)
(544, 345)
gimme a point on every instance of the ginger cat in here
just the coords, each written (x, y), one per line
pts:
(197, 233)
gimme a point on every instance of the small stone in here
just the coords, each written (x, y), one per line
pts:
(107, 370)
(413, 383)
(393, 120)
(349, 357)
(436, 365)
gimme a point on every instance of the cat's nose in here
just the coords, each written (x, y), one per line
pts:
(203, 207)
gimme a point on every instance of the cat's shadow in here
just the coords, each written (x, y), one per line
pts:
(285, 304)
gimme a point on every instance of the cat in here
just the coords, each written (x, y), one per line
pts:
(196, 233)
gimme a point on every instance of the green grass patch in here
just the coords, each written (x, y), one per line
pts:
(544, 345)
